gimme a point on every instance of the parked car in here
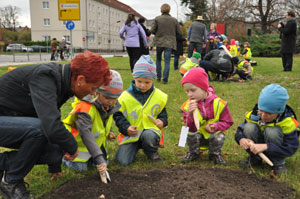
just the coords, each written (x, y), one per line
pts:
(38, 48)
(19, 48)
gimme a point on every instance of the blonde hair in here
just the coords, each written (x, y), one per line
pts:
(165, 8)
(247, 44)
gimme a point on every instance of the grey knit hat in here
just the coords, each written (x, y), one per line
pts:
(115, 87)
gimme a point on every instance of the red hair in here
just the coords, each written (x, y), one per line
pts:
(91, 65)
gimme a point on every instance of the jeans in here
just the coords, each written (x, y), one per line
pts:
(176, 60)
(192, 46)
(25, 134)
(270, 135)
(149, 142)
(80, 166)
(167, 58)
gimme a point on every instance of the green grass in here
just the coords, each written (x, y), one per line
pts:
(241, 97)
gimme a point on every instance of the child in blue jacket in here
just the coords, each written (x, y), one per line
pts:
(271, 127)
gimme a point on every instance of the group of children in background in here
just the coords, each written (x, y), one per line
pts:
(140, 114)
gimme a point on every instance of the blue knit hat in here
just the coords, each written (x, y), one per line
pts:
(273, 98)
(144, 67)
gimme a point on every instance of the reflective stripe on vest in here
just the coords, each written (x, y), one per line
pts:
(136, 113)
(248, 55)
(98, 130)
(287, 125)
(187, 65)
(218, 105)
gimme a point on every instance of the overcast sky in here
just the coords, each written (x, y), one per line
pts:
(147, 8)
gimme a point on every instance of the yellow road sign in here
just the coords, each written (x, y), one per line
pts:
(69, 10)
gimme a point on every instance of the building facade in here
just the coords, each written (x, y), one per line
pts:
(98, 28)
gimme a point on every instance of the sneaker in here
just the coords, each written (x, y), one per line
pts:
(156, 158)
(218, 159)
(280, 169)
(16, 191)
(190, 157)
(249, 162)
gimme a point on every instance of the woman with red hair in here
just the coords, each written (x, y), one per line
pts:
(30, 101)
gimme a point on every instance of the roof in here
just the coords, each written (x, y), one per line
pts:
(120, 6)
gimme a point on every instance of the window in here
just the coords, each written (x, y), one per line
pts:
(45, 4)
(67, 37)
(46, 22)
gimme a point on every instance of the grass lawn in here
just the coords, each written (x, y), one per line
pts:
(241, 97)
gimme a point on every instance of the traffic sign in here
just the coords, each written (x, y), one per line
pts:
(70, 25)
(69, 10)
(83, 38)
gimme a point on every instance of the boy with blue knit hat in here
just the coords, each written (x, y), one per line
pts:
(142, 115)
(270, 128)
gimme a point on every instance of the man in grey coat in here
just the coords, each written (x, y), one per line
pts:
(196, 36)
(165, 28)
(288, 40)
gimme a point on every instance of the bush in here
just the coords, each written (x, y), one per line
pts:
(267, 45)
(40, 43)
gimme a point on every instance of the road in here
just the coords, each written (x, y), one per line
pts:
(32, 58)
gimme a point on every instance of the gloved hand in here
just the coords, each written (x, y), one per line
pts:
(102, 169)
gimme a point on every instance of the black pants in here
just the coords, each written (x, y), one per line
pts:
(287, 61)
(134, 54)
(26, 135)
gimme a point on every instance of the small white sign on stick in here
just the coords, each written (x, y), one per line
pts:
(183, 136)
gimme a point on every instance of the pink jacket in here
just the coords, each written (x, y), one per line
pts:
(207, 111)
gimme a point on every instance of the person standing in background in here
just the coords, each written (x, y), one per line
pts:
(144, 50)
(53, 45)
(196, 36)
(133, 31)
(165, 28)
(288, 40)
(179, 52)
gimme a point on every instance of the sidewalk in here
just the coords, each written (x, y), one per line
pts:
(11, 63)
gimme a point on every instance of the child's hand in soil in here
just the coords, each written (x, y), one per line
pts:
(132, 131)
(101, 168)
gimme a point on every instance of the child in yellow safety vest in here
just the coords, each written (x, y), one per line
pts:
(90, 122)
(243, 68)
(189, 63)
(270, 128)
(211, 113)
(247, 54)
(233, 48)
(142, 115)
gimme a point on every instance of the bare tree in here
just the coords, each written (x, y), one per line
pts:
(9, 17)
(262, 12)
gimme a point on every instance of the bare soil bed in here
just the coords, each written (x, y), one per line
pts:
(178, 182)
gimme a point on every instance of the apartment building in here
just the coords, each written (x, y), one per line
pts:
(98, 28)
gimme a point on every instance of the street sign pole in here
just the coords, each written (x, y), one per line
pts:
(70, 25)
(71, 46)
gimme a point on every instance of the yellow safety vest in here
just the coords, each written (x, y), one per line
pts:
(187, 65)
(287, 125)
(233, 50)
(240, 66)
(99, 130)
(218, 105)
(137, 114)
(248, 55)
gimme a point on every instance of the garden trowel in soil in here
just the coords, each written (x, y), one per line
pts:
(105, 177)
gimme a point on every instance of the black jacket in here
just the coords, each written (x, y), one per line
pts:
(122, 123)
(144, 51)
(39, 91)
(288, 36)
